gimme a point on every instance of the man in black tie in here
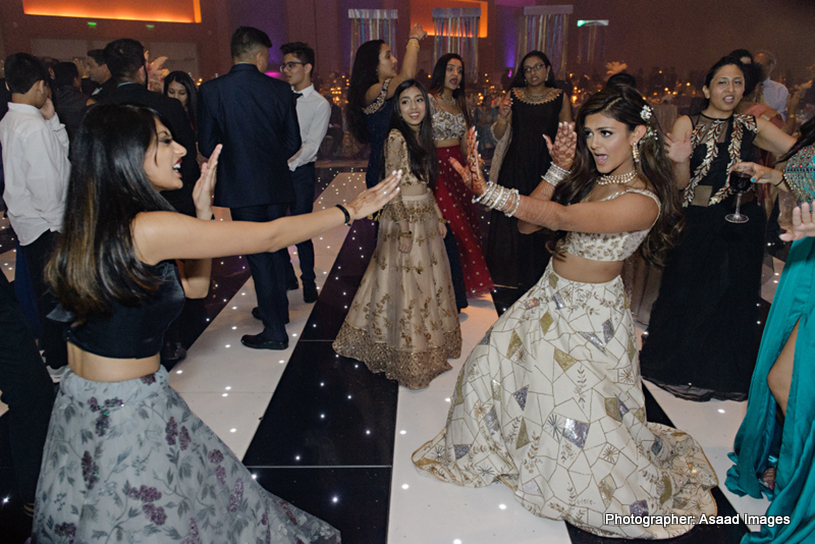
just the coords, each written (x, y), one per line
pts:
(125, 60)
(255, 119)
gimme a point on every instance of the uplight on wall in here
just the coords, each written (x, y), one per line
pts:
(161, 11)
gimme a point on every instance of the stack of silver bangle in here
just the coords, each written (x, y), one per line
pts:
(497, 197)
(555, 175)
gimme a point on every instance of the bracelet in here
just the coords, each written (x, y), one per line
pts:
(413, 38)
(345, 213)
(408, 234)
(555, 174)
(780, 182)
(517, 196)
(416, 45)
(442, 220)
(479, 198)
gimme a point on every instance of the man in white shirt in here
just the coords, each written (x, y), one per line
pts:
(313, 113)
(36, 169)
(775, 94)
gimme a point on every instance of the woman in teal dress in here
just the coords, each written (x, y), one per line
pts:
(771, 457)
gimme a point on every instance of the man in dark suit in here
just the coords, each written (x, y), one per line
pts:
(255, 119)
(125, 60)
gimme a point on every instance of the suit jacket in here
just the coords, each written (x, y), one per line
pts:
(179, 124)
(254, 117)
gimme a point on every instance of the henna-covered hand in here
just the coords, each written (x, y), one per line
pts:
(562, 151)
(471, 175)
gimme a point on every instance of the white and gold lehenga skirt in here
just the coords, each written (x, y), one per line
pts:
(550, 402)
(403, 320)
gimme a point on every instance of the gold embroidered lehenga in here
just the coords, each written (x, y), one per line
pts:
(403, 320)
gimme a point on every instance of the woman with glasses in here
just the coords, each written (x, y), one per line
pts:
(528, 113)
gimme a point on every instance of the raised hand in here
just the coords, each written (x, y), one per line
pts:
(505, 107)
(47, 110)
(416, 31)
(204, 188)
(371, 200)
(802, 223)
(562, 151)
(471, 175)
(678, 150)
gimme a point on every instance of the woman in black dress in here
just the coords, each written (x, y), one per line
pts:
(529, 112)
(704, 331)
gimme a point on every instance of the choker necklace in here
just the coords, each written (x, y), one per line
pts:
(619, 179)
(451, 102)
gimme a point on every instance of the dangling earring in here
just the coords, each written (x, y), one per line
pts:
(635, 152)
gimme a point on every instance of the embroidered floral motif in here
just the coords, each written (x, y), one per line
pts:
(377, 104)
(90, 471)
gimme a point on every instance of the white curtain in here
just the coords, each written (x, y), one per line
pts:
(545, 28)
(591, 39)
(456, 31)
(371, 24)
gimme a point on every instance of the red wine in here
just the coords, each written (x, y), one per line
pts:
(740, 182)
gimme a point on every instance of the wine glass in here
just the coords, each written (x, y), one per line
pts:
(740, 182)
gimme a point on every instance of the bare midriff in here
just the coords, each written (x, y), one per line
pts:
(584, 270)
(97, 368)
(447, 143)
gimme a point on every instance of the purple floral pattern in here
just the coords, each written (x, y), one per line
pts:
(161, 466)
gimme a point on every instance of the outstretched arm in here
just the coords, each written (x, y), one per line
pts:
(159, 236)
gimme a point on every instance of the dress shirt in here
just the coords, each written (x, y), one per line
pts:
(36, 168)
(313, 112)
(775, 96)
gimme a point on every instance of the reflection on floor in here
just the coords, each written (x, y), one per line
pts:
(326, 434)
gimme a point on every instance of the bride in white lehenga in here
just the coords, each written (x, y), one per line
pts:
(550, 402)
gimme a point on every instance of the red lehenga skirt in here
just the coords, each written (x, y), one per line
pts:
(455, 201)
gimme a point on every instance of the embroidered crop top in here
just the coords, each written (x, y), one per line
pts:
(607, 246)
(447, 126)
(131, 332)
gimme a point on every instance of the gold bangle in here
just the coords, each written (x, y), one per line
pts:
(408, 234)
(416, 45)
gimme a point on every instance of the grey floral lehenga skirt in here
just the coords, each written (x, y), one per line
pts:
(129, 462)
(550, 403)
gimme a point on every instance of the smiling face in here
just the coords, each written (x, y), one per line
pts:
(412, 107)
(179, 92)
(162, 160)
(535, 71)
(387, 63)
(725, 91)
(609, 142)
(453, 74)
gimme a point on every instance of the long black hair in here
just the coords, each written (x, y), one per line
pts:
(94, 262)
(421, 151)
(519, 80)
(437, 83)
(363, 76)
(192, 94)
(625, 105)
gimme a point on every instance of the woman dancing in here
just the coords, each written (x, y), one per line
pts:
(772, 457)
(403, 320)
(124, 453)
(451, 118)
(373, 83)
(550, 402)
(704, 333)
(530, 110)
